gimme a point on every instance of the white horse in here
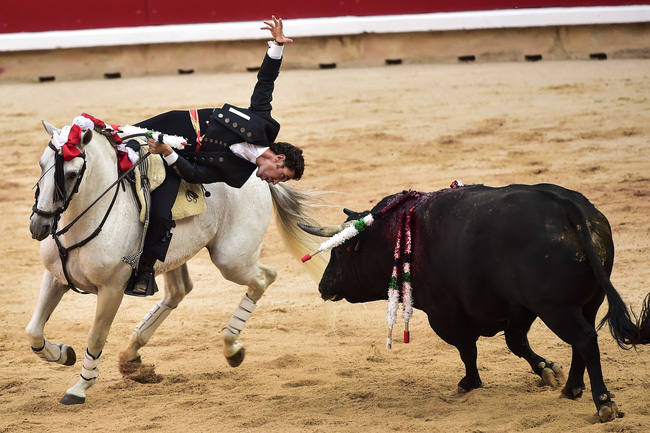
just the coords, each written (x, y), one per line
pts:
(231, 229)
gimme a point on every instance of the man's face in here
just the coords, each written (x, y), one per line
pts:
(274, 171)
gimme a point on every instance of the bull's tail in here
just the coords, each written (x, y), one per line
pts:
(626, 332)
(292, 206)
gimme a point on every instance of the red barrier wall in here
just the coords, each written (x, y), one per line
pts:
(43, 15)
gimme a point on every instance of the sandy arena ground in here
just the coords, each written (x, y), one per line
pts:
(319, 367)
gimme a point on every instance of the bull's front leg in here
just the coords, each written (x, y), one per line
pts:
(49, 297)
(233, 350)
(472, 379)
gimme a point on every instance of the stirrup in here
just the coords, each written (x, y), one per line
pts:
(152, 287)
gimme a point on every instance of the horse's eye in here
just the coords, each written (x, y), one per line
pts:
(71, 176)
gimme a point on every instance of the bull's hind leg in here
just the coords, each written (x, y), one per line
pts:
(49, 297)
(575, 383)
(572, 327)
(516, 334)
(177, 285)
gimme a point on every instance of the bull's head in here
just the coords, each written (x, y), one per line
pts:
(359, 269)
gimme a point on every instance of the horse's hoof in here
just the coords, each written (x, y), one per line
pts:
(128, 368)
(70, 356)
(236, 359)
(70, 399)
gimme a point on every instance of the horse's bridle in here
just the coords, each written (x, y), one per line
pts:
(65, 202)
(66, 199)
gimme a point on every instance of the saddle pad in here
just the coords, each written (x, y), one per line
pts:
(189, 200)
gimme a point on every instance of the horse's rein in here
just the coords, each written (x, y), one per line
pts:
(119, 179)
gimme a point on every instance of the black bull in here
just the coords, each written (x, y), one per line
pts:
(486, 260)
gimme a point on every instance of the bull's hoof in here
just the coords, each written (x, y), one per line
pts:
(70, 356)
(609, 412)
(70, 399)
(466, 384)
(552, 374)
(573, 393)
(236, 359)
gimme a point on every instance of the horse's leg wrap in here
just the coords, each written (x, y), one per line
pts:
(90, 367)
(51, 352)
(238, 320)
(89, 374)
(150, 323)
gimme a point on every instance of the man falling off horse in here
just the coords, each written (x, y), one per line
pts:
(231, 143)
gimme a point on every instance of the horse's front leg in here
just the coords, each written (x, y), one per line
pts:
(108, 302)
(49, 297)
(263, 276)
(177, 285)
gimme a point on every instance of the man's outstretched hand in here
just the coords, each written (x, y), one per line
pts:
(276, 29)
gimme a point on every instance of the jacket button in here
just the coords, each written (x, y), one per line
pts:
(248, 134)
(211, 159)
(220, 115)
(202, 159)
(227, 120)
(221, 159)
(243, 130)
(234, 124)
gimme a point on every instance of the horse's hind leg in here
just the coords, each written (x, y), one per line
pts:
(257, 277)
(49, 297)
(177, 285)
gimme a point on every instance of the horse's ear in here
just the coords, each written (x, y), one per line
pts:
(49, 128)
(88, 135)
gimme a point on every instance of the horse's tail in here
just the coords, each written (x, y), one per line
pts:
(292, 206)
(627, 332)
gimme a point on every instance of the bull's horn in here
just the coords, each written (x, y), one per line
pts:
(349, 212)
(325, 232)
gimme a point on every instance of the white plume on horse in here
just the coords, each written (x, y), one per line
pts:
(231, 229)
(174, 141)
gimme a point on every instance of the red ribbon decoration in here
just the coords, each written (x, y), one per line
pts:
(123, 161)
(69, 149)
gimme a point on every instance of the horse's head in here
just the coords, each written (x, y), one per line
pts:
(62, 167)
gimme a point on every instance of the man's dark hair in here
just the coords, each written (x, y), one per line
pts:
(293, 158)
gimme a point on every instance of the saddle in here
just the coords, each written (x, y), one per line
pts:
(190, 200)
